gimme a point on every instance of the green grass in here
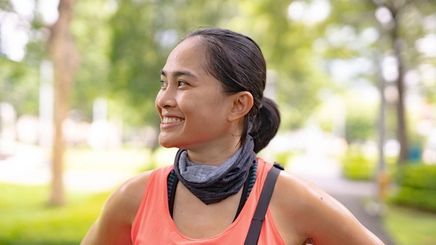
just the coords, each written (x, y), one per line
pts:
(409, 226)
(25, 217)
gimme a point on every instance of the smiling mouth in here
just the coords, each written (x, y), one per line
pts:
(171, 120)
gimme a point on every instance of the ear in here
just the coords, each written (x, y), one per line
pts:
(242, 103)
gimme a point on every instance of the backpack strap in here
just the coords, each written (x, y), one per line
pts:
(259, 214)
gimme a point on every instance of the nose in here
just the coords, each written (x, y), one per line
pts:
(165, 98)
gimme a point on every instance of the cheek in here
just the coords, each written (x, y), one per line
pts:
(156, 100)
(212, 110)
(156, 106)
(204, 105)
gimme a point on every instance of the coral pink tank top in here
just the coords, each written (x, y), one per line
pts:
(154, 225)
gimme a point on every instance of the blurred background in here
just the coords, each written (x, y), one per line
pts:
(355, 81)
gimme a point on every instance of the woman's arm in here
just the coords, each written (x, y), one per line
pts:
(332, 223)
(114, 224)
(317, 215)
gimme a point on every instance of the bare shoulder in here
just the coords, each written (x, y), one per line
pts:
(301, 194)
(116, 218)
(312, 213)
(128, 196)
(303, 199)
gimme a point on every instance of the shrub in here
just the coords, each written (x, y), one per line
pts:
(359, 123)
(417, 186)
(418, 176)
(419, 198)
(357, 166)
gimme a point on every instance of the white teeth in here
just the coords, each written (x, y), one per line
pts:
(171, 119)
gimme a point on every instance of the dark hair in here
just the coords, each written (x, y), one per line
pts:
(237, 61)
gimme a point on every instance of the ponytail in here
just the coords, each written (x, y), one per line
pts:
(265, 125)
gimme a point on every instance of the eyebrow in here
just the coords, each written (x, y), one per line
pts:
(178, 73)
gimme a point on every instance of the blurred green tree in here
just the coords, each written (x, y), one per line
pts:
(5, 5)
(65, 60)
(123, 45)
(288, 48)
(91, 31)
(18, 83)
(403, 32)
(391, 28)
(142, 34)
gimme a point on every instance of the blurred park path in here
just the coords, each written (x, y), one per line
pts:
(25, 165)
(30, 165)
(357, 196)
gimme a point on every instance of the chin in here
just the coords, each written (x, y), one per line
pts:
(167, 143)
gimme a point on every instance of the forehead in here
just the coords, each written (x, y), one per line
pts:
(189, 54)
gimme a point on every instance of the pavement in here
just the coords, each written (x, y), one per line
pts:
(30, 165)
(357, 196)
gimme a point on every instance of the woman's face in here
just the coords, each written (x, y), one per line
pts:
(191, 103)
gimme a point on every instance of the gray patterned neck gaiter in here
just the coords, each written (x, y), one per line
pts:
(212, 184)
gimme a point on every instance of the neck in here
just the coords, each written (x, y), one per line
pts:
(213, 155)
(214, 184)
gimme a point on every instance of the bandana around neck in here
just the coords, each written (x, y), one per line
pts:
(212, 184)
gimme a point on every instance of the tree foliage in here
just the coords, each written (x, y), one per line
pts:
(91, 33)
(143, 32)
(138, 52)
(18, 79)
(288, 48)
(123, 45)
(400, 25)
(18, 85)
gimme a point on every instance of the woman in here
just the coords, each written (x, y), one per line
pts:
(212, 108)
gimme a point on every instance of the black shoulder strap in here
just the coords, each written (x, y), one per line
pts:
(262, 205)
(172, 182)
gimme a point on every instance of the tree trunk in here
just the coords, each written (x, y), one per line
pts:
(401, 109)
(393, 31)
(65, 62)
(401, 113)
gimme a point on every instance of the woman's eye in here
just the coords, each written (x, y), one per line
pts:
(163, 84)
(181, 83)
